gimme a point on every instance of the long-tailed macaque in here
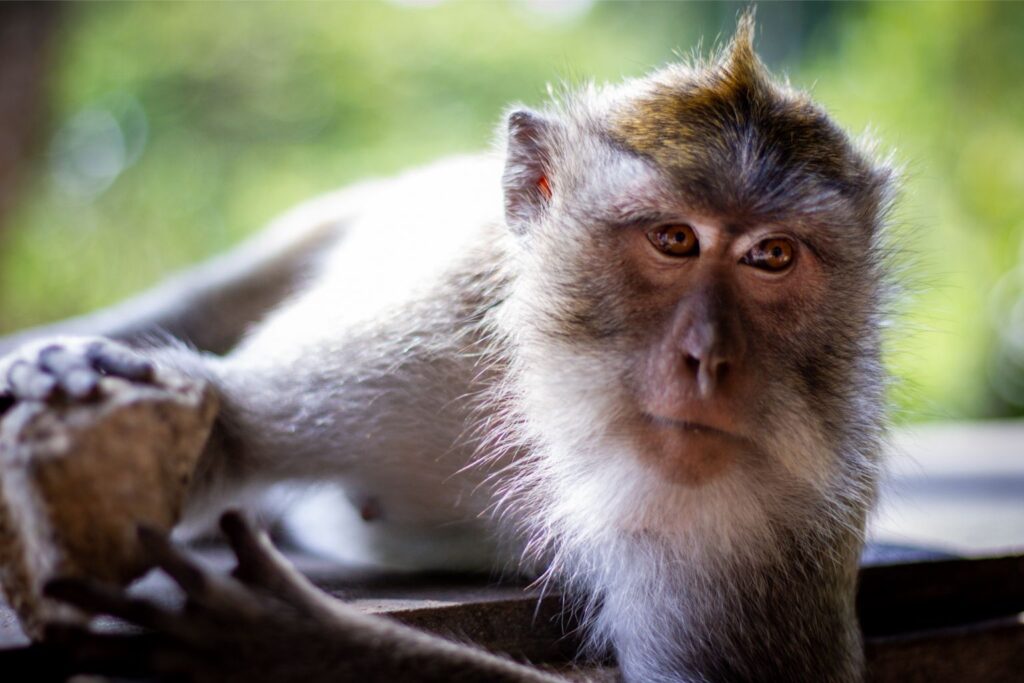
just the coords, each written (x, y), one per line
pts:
(639, 357)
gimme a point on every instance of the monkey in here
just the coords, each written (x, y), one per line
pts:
(639, 357)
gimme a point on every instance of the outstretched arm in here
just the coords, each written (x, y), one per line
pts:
(265, 622)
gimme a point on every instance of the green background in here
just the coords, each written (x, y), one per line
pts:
(177, 129)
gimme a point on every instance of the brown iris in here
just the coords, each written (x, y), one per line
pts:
(675, 240)
(775, 254)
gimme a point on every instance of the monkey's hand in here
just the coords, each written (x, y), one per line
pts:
(67, 369)
(264, 622)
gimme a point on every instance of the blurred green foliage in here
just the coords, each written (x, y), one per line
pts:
(177, 129)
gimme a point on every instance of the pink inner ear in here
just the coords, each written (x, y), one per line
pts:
(544, 186)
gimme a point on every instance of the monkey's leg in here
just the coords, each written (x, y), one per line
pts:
(212, 304)
(265, 622)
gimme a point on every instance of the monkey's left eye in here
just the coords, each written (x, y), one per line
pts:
(775, 254)
(675, 240)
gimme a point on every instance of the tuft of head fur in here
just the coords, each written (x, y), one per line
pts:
(733, 137)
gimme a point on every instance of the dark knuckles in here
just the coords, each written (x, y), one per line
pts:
(59, 372)
(58, 360)
(112, 360)
(29, 382)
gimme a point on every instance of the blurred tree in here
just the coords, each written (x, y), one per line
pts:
(26, 29)
(182, 127)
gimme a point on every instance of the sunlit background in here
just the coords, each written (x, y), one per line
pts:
(171, 131)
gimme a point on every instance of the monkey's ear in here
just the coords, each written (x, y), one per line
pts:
(527, 184)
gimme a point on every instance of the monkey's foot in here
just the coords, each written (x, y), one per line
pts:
(264, 622)
(94, 438)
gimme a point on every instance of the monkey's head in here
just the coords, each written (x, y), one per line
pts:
(697, 302)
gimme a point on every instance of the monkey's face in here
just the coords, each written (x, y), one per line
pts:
(694, 328)
(713, 303)
(689, 348)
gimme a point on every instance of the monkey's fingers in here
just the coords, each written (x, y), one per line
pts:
(29, 382)
(116, 360)
(175, 562)
(55, 372)
(258, 560)
(262, 565)
(205, 590)
(96, 598)
(72, 371)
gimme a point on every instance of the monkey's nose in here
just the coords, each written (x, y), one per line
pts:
(707, 369)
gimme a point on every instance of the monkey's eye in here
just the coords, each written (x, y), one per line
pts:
(675, 240)
(775, 254)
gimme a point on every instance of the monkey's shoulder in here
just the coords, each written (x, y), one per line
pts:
(408, 232)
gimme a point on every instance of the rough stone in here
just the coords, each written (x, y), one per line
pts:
(77, 478)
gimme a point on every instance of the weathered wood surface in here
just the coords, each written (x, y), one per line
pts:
(926, 616)
(917, 596)
(991, 651)
(909, 634)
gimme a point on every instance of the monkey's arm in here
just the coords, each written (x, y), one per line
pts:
(266, 622)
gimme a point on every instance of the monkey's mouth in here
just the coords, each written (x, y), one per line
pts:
(690, 427)
(687, 452)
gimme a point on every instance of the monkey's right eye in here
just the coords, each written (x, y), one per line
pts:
(675, 240)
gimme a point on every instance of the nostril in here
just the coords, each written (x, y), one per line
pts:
(692, 363)
(722, 370)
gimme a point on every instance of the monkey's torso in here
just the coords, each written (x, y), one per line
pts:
(371, 375)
